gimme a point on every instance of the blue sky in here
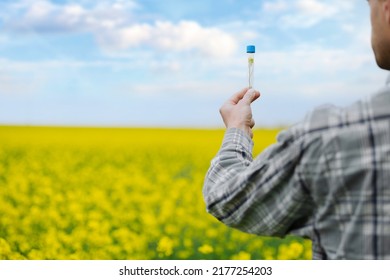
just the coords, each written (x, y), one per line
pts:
(173, 63)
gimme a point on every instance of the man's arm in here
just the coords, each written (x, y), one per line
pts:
(265, 196)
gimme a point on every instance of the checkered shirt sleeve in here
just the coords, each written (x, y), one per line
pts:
(327, 178)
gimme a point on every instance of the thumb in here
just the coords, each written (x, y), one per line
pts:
(250, 96)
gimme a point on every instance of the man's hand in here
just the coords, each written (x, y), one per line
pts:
(237, 112)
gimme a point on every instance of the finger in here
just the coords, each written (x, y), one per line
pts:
(250, 96)
(238, 96)
(252, 123)
(257, 95)
(251, 133)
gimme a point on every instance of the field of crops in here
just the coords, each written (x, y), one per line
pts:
(99, 193)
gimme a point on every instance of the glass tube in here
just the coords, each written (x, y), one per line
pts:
(251, 65)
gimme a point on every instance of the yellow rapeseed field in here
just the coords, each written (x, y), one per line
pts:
(105, 193)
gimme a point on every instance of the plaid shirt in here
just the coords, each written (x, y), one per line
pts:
(327, 179)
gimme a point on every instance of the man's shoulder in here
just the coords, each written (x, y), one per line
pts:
(331, 118)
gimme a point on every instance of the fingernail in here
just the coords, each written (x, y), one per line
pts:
(250, 92)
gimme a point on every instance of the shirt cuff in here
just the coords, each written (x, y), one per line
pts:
(242, 142)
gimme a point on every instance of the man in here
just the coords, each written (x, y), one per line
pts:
(327, 178)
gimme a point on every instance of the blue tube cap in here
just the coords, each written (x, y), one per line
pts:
(250, 49)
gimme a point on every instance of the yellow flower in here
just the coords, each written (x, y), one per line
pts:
(5, 249)
(290, 252)
(93, 193)
(296, 250)
(242, 255)
(165, 246)
(205, 249)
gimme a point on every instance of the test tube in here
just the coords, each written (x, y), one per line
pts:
(250, 50)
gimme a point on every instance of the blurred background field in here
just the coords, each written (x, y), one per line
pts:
(111, 193)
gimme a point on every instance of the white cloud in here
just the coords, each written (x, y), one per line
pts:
(42, 16)
(359, 35)
(306, 13)
(47, 66)
(170, 37)
(275, 6)
(40, 9)
(315, 7)
(114, 27)
(182, 88)
(306, 60)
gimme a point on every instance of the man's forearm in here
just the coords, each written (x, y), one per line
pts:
(234, 156)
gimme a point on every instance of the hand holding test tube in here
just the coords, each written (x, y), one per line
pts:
(250, 50)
